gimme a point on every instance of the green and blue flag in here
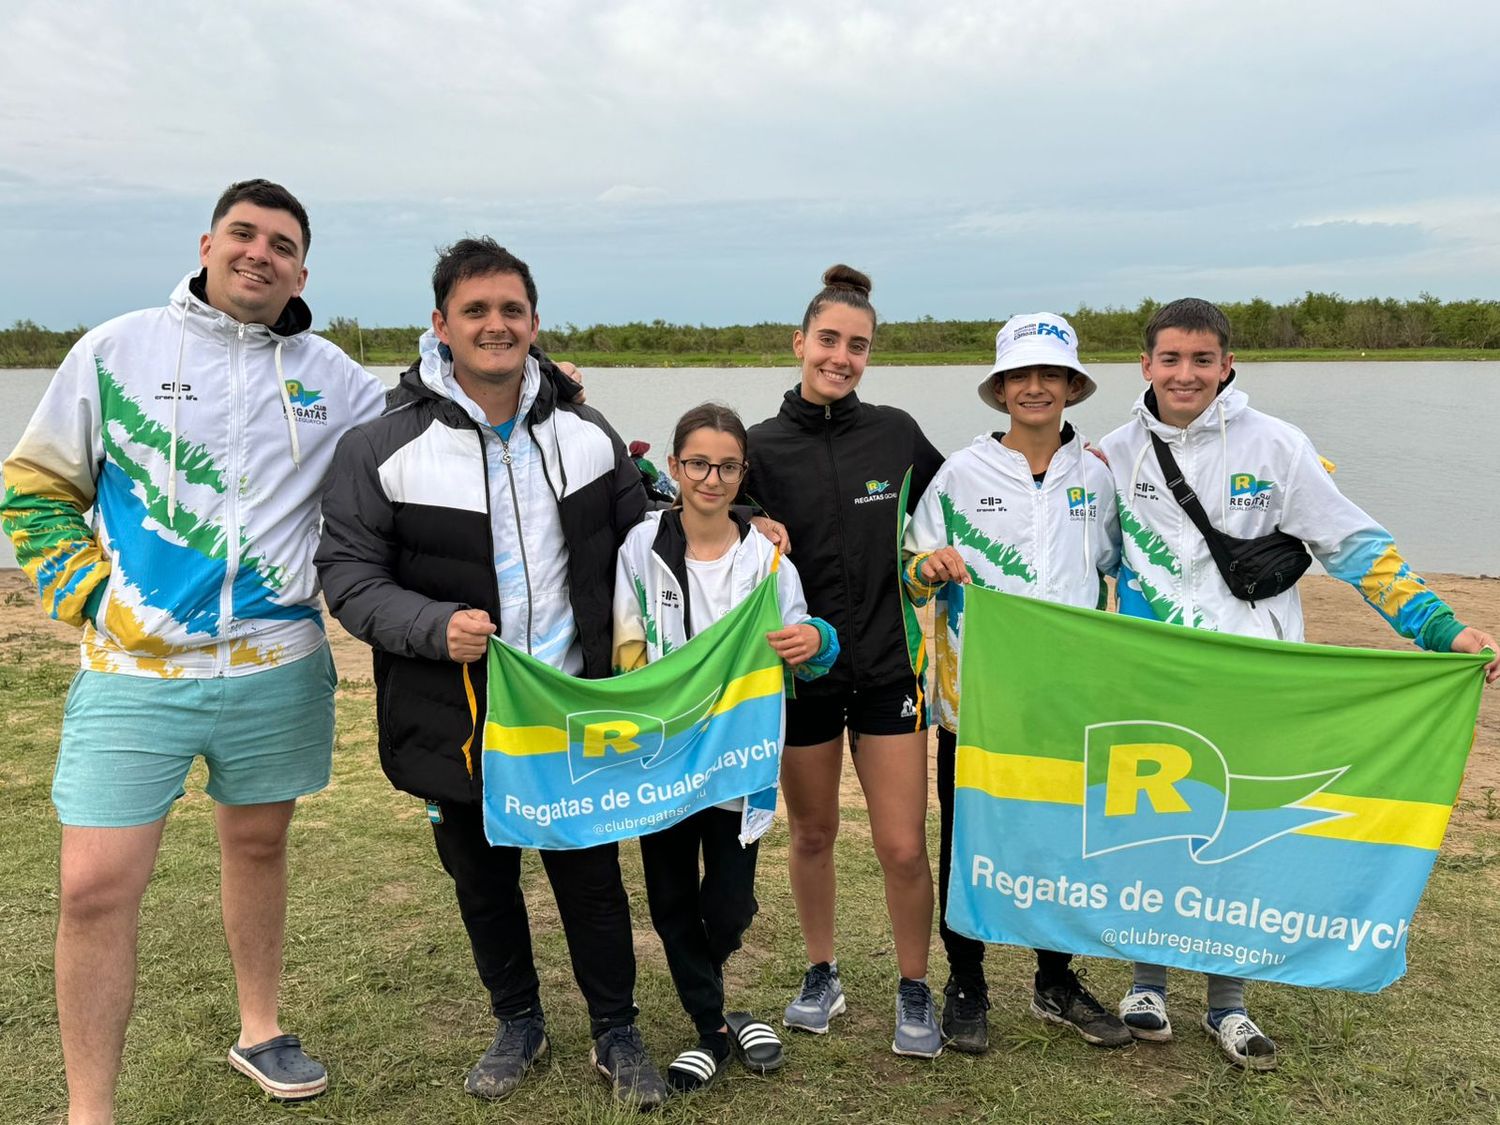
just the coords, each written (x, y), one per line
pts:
(1227, 804)
(570, 763)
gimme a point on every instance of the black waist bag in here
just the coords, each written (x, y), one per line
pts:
(1252, 568)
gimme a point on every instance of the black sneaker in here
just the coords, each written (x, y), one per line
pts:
(1067, 1002)
(620, 1056)
(966, 1021)
(518, 1043)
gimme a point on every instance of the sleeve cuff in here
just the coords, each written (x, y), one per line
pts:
(1438, 633)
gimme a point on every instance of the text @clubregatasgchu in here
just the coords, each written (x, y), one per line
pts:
(650, 802)
(1142, 915)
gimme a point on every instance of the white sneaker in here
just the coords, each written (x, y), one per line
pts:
(1144, 1011)
(1242, 1042)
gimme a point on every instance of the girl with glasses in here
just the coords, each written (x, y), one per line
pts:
(678, 572)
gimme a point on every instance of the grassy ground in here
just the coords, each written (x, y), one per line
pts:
(380, 984)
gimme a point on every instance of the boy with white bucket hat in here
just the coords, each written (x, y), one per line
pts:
(1015, 511)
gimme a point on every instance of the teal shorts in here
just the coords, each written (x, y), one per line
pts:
(129, 741)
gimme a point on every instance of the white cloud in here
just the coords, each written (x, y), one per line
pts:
(1091, 143)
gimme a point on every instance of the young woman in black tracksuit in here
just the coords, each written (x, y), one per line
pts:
(831, 469)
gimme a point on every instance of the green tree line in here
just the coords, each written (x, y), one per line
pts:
(1314, 321)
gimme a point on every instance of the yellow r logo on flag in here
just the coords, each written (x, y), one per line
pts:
(1125, 781)
(615, 734)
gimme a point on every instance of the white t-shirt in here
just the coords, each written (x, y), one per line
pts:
(709, 591)
(710, 598)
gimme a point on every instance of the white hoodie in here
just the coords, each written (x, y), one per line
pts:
(1051, 542)
(649, 621)
(169, 483)
(1253, 474)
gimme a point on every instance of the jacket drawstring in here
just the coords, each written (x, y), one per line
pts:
(286, 409)
(1224, 477)
(541, 456)
(172, 430)
(1088, 553)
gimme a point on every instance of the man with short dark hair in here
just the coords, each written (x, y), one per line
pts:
(483, 505)
(198, 434)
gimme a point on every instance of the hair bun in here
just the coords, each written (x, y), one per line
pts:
(846, 277)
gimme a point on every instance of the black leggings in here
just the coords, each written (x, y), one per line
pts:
(700, 920)
(965, 955)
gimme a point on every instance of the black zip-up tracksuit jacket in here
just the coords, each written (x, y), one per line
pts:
(833, 476)
(395, 569)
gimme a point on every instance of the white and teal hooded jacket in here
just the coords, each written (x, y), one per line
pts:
(652, 615)
(1052, 541)
(165, 494)
(1253, 473)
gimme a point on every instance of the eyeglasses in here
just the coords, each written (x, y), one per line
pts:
(729, 472)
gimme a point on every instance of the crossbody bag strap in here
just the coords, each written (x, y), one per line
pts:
(1188, 500)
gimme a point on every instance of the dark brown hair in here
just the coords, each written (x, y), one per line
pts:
(263, 193)
(842, 285)
(709, 416)
(1191, 314)
(476, 257)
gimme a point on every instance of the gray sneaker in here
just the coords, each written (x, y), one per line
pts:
(518, 1044)
(821, 998)
(917, 1031)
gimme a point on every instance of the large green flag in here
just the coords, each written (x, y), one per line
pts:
(569, 763)
(1229, 804)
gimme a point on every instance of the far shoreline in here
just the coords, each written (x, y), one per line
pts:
(389, 358)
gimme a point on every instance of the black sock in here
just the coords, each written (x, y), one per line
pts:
(715, 1043)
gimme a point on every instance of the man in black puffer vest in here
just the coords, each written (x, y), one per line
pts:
(485, 503)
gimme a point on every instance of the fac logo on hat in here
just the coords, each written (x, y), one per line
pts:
(1039, 339)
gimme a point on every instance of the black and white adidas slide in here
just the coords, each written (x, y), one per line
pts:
(692, 1070)
(754, 1042)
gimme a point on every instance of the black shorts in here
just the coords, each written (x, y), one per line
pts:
(899, 708)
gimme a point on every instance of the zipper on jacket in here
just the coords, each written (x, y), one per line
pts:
(515, 504)
(1039, 529)
(476, 776)
(838, 513)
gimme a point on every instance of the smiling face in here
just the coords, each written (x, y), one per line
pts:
(833, 351)
(709, 496)
(1034, 397)
(1186, 369)
(254, 261)
(488, 324)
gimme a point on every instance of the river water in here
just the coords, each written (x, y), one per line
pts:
(1416, 444)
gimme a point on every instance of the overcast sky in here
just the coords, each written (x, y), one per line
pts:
(704, 163)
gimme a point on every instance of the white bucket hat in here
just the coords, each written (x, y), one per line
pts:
(1040, 339)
